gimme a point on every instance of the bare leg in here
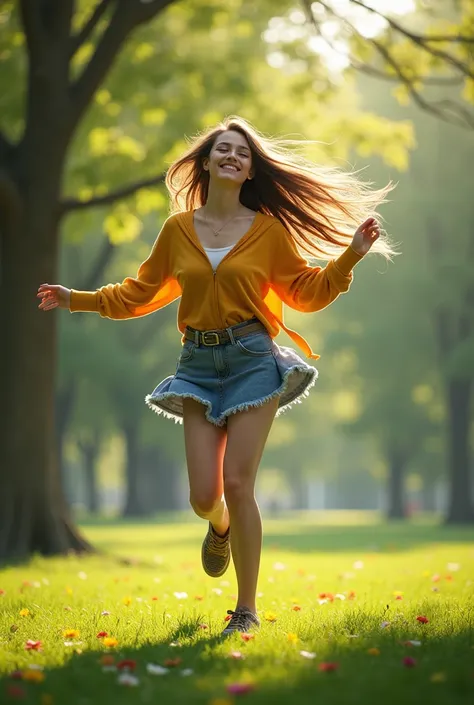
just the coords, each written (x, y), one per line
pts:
(247, 433)
(205, 446)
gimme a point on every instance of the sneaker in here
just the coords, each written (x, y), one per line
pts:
(241, 621)
(215, 552)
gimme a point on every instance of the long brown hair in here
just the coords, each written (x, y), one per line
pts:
(320, 206)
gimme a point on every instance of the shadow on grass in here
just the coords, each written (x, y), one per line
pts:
(279, 674)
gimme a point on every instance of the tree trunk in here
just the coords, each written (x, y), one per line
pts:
(33, 513)
(133, 506)
(429, 495)
(300, 489)
(396, 498)
(460, 506)
(159, 481)
(64, 404)
(90, 450)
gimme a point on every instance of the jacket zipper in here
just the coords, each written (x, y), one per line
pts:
(217, 298)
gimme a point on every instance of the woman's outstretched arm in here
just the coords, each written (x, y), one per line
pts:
(307, 288)
(131, 298)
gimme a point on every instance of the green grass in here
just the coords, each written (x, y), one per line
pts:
(303, 557)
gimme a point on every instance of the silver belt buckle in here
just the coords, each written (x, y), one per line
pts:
(210, 338)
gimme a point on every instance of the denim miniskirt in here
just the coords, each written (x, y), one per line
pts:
(232, 377)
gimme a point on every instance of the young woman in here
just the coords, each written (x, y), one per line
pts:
(245, 211)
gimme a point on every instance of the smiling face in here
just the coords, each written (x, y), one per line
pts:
(230, 158)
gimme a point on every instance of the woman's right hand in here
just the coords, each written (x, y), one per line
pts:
(53, 296)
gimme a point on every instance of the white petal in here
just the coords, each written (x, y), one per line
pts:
(127, 679)
(156, 670)
(308, 654)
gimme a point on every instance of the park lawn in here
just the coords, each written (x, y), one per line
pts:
(342, 587)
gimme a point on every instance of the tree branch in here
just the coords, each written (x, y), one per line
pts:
(127, 15)
(446, 110)
(72, 204)
(421, 40)
(78, 39)
(96, 273)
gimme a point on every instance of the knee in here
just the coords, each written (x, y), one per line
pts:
(237, 489)
(204, 505)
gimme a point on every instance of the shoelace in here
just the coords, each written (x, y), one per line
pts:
(218, 544)
(239, 619)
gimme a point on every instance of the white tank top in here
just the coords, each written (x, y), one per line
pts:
(217, 254)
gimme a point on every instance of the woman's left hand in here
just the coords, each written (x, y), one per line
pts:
(365, 236)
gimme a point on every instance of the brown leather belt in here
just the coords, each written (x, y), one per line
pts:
(209, 338)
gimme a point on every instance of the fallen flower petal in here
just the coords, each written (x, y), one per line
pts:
(422, 619)
(308, 654)
(107, 660)
(127, 664)
(128, 679)
(412, 642)
(110, 641)
(187, 672)
(33, 675)
(247, 637)
(104, 613)
(240, 688)
(409, 662)
(101, 635)
(156, 670)
(16, 691)
(70, 633)
(384, 625)
(236, 654)
(181, 595)
(173, 662)
(328, 666)
(32, 645)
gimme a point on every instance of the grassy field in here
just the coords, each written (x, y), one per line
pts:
(340, 597)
